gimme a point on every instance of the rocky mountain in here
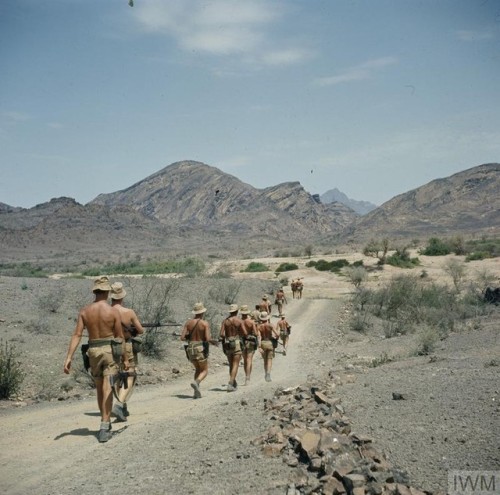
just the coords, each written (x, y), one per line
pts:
(360, 207)
(195, 195)
(186, 208)
(189, 208)
(467, 202)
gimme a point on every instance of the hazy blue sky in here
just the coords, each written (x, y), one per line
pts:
(373, 97)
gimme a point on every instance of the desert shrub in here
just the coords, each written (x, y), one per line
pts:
(311, 264)
(308, 250)
(436, 247)
(25, 269)
(11, 373)
(457, 245)
(188, 266)
(357, 263)
(255, 266)
(483, 248)
(377, 249)
(328, 266)
(383, 359)
(39, 326)
(360, 322)
(286, 267)
(225, 292)
(456, 271)
(357, 275)
(153, 342)
(283, 281)
(50, 302)
(401, 259)
(362, 298)
(426, 342)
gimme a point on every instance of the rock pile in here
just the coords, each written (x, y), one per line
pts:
(313, 435)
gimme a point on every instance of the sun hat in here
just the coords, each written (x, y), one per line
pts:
(199, 308)
(264, 296)
(244, 310)
(117, 291)
(102, 284)
(263, 316)
(233, 308)
(282, 315)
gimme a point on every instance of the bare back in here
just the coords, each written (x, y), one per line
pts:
(101, 320)
(233, 327)
(196, 330)
(266, 331)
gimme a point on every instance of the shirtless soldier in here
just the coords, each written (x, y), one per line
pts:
(131, 328)
(280, 300)
(251, 342)
(283, 328)
(103, 324)
(267, 332)
(232, 333)
(265, 305)
(196, 332)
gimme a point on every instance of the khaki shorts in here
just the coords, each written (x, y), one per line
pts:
(232, 346)
(250, 346)
(102, 362)
(267, 347)
(195, 352)
(130, 354)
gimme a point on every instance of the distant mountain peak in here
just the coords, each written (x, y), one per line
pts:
(360, 207)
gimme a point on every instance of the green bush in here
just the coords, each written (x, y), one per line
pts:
(401, 259)
(255, 266)
(189, 266)
(286, 267)
(25, 269)
(11, 374)
(436, 247)
(427, 340)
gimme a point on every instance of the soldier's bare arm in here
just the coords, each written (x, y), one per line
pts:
(75, 341)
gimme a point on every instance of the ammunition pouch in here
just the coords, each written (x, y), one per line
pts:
(86, 360)
(274, 342)
(136, 344)
(117, 348)
(206, 349)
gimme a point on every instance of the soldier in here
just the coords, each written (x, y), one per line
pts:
(255, 314)
(196, 332)
(251, 342)
(131, 329)
(283, 328)
(265, 305)
(267, 335)
(232, 333)
(106, 348)
(280, 300)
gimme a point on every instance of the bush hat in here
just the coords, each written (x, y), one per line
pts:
(263, 316)
(233, 308)
(102, 284)
(199, 308)
(264, 297)
(244, 310)
(117, 291)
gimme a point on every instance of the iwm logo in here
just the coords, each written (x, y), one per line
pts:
(474, 482)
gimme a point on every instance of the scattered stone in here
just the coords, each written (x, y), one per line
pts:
(313, 436)
(398, 396)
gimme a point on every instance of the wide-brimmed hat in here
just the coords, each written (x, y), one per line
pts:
(102, 283)
(282, 315)
(199, 308)
(264, 316)
(244, 310)
(264, 296)
(117, 291)
(233, 308)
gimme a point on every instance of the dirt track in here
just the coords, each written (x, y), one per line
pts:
(171, 443)
(175, 445)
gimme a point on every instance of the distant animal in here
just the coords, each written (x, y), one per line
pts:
(492, 295)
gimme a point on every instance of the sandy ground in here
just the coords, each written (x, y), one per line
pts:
(173, 444)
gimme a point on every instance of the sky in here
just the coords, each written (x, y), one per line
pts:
(373, 97)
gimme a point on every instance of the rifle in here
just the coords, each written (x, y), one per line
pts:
(158, 324)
